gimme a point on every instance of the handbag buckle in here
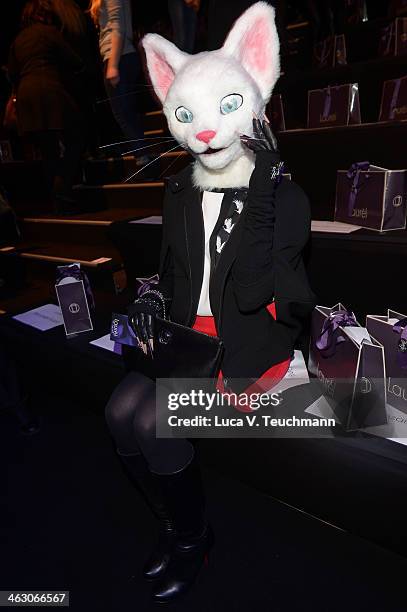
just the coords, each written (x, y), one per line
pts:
(165, 336)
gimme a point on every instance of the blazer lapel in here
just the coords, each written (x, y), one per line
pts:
(195, 241)
(229, 251)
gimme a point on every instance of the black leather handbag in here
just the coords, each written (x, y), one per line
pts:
(180, 353)
(183, 352)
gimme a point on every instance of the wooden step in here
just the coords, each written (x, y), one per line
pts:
(25, 185)
(155, 120)
(144, 198)
(62, 230)
(66, 253)
(29, 295)
(118, 169)
(39, 261)
(155, 132)
(90, 229)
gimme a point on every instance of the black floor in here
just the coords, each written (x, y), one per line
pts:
(71, 521)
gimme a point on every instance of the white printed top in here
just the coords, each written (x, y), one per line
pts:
(211, 204)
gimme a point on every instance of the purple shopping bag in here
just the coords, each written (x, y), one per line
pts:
(330, 52)
(387, 42)
(355, 11)
(393, 40)
(337, 105)
(399, 7)
(391, 332)
(393, 106)
(275, 112)
(401, 36)
(75, 298)
(349, 364)
(371, 197)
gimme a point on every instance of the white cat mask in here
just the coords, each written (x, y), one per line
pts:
(209, 98)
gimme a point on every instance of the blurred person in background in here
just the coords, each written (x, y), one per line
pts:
(42, 67)
(121, 66)
(183, 15)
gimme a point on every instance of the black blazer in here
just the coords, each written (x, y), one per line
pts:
(253, 340)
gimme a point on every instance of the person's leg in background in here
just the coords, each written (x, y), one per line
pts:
(72, 143)
(168, 473)
(124, 100)
(61, 153)
(190, 20)
(176, 12)
(184, 22)
(48, 145)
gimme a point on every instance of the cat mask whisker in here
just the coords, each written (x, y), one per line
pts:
(114, 144)
(171, 164)
(141, 148)
(149, 164)
(129, 93)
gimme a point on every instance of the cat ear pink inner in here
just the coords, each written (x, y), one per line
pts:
(253, 41)
(162, 74)
(254, 44)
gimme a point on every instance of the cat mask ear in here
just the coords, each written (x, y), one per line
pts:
(164, 60)
(253, 41)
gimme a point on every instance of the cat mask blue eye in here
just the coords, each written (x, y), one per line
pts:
(231, 103)
(184, 115)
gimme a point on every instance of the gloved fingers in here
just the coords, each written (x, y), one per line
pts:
(261, 136)
(144, 331)
(250, 143)
(254, 143)
(147, 333)
(271, 139)
(257, 131)
(150, 332)
(137, 329)
(133, 322)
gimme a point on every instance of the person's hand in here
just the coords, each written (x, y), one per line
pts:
(112, 75)
(195, 4)
(141, 316)
(263, 138)
(264, 144)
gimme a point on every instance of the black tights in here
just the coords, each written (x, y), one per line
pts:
(130, 415)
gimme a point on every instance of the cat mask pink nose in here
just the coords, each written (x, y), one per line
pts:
(206, 136)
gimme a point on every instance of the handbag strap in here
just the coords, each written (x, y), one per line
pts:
(162, 299)
(148, 286)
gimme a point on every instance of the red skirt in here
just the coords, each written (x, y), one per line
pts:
(267, 381)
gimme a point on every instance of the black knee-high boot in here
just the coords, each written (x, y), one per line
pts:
(138, 471)
(185, 500)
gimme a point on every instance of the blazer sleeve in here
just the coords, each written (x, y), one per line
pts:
(166, 265)
(269, 263)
